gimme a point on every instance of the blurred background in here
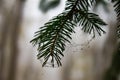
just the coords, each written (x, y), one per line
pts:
(85, 58)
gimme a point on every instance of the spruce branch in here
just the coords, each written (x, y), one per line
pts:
(117, 10)
(51, 38)
(90, 22)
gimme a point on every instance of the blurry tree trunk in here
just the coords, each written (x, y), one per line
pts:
(1, 39)
(113, 71)
(1, 56)
(9, 38)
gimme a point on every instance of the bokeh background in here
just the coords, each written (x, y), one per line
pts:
(85, 58)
